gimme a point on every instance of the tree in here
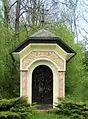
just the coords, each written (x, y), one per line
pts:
(9, 73)
(76, 76)
(6, 11)
(17, 16)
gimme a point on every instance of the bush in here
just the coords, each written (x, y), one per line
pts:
(14, 108)
(72, 109)
(6, 104)
(9, 115)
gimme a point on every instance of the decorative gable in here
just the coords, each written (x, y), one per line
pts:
(45, 55)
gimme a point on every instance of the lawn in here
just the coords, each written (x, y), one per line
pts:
(45, 115)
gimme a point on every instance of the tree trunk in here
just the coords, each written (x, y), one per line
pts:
(17, 16)
(33, 18)
(6, 11)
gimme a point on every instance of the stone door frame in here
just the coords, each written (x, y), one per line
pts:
(56, 81)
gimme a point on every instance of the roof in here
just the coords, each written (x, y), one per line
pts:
(43, 36)
(43, 33)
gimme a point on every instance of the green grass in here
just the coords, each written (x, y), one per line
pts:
(45, 115)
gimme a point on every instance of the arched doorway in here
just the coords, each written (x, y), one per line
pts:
(42, 85)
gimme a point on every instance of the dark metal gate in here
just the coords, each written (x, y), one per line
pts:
(42, 85)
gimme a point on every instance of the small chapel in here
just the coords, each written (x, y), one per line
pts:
(43, 57)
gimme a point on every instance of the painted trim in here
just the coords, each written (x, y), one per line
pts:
(61, 49)
(20, 64)
(34, 44)
(27, 70)
(41, 44)
(64, 86)
(15, 53)
(21, 84)
(48, 49)
(60, 56)
(20, 78)
(46, 59)
(63, 60)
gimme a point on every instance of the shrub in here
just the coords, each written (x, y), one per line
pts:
(6, 104)
(14, 108)
(21, 107)
(72, 109)
(9, 115)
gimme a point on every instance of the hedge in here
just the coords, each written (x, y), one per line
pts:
(16, 108)
(9, 115)
(72, 109)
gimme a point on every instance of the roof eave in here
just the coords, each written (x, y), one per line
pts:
(44, 40)
(71, 57)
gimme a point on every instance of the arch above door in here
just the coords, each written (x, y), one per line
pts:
(55, 73)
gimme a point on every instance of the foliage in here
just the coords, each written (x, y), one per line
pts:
(9, 115)
(72, 109)
(9, 68)
(76, 80)
(75, 74)
(86, 60)
(63, 32)
(14, 108)
(9, 73)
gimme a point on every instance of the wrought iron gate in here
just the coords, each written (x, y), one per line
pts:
(42, 85)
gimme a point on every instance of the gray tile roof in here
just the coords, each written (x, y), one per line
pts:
(43, 33)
